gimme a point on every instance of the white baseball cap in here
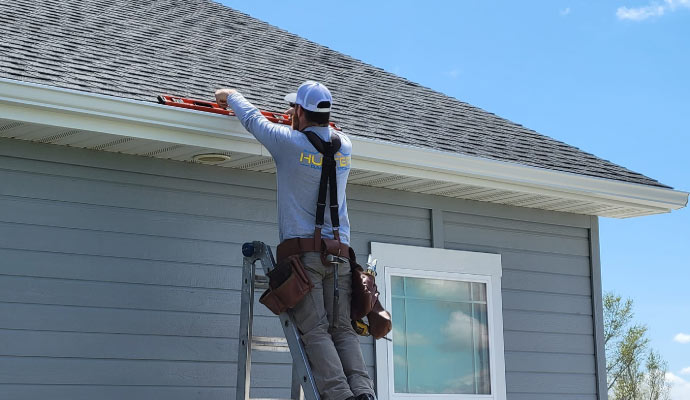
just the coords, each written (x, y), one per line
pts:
(310, 95)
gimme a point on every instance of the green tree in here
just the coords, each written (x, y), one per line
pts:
(630, 375)
(656, 387)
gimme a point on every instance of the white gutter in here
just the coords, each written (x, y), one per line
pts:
(40, 104)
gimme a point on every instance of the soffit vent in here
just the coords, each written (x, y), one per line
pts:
(256, 164)
(163, 150)
(10, 126)
(112, 143)
(383, 180)
(420, 185)
(51, 139)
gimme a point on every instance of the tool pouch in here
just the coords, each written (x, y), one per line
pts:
(380, 322)
(288, 283)
(364, 291)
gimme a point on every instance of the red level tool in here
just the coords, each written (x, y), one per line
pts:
(202, 105)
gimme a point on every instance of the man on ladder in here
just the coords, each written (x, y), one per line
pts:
(323, 315)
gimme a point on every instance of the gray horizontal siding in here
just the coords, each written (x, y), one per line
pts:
(119, 392)
(549, 384)
(524, 341)
(547, 305)
(120, 277)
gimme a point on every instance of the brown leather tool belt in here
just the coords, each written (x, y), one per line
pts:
(294, 246)
(288, 284)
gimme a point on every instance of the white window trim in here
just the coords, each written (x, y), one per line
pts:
(439, 263)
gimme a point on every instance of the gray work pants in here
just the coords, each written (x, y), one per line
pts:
(336, 358)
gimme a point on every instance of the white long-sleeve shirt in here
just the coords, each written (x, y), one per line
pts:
(299, 172)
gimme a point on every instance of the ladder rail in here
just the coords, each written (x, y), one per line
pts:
(244, 355)
(303, 383)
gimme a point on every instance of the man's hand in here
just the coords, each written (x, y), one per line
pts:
(222, 96)
(293, 120)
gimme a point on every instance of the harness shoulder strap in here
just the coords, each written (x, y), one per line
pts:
(328, 180)
(323, 147)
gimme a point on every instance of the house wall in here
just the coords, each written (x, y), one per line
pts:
(120, 277)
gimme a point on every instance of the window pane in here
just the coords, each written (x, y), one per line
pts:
(440, 337)
(399, 346)
(397, 285)
(481, 336)
(437, 289)
(479, 291)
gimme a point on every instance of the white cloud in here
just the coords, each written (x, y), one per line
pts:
(680, 388)
(399, 361)
(682, 338)
(565, 11)
(640, 13)
(458, 329)
(454, 73)
(462, 384)
(672, 378)
(438, 288)
(677, 3)
(457, 332)
(654, 9)
(685, 371)
(412, 339)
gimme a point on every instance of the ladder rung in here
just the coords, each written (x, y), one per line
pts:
(260, 282)
(274, 344)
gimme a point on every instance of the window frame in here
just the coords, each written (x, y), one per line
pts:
(435, 263)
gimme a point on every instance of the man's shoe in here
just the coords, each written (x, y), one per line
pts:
(365, 396)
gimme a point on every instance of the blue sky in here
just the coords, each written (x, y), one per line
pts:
(612, 78)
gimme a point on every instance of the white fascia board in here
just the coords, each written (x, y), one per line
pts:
(74, 109)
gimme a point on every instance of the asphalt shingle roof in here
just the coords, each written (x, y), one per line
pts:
(139, 49)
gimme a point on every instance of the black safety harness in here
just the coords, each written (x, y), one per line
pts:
(328, 175)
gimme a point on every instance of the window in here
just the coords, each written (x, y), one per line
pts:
(447, 338)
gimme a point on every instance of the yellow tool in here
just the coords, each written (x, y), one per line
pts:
(361, 328)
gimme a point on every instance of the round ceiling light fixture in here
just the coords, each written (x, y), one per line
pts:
(211, 158)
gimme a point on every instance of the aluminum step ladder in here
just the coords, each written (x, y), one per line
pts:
(303, 385)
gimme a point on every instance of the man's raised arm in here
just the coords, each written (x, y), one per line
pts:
(271, 135)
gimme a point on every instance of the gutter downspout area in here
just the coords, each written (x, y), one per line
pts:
(597, 310)
(110, 115)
